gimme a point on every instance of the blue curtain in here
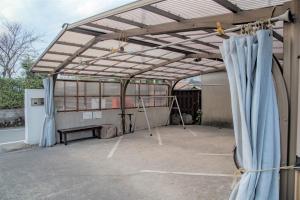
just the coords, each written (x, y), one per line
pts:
(48, 135)
(248, 61)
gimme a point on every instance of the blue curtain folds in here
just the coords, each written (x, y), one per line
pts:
(248, 61)
(48, 135)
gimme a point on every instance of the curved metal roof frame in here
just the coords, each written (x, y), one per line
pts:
(88, 47)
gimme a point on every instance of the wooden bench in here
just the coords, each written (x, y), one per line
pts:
(67, 131)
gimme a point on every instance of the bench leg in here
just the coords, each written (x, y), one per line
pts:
(60, 137)
(94, 133)
(99, 133)
(65, 139)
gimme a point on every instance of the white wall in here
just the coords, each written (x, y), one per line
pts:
(34, 116)
(216, 102)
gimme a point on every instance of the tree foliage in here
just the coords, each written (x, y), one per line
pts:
(12, 90)
(15, 44)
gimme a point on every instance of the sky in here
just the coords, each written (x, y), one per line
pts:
(46, 17)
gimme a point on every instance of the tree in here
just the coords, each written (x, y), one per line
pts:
(15, 44)
(26, 64)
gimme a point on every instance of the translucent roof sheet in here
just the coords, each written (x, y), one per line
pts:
(115, 43)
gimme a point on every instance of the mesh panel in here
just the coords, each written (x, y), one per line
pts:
(59, 88)
(144, 90)
(110, 89)
(110, 102)
(161, 101)
(71, 103)
(151, 90)
(71, 88)
(130, 102)
(92, 89)
(132, 89)
(81, 88)
(161, 90)
(82, 103)
(92, 103)
(59, 103)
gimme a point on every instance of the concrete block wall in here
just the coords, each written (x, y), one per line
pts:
(157, 117)
(216, 102)
(11, 117)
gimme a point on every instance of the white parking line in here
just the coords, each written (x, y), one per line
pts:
(192, 132)
(112, 151)
(158, 137)
(12, 142)
(186, 173)
(215, 154)
(11, 129)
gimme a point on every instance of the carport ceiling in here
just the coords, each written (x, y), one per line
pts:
(88, 47)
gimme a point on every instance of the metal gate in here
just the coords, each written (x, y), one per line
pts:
(189, 101)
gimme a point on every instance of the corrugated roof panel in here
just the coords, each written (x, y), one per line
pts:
(88, 27)
(157, 52)
(199, 67)
(71, 71)
(80, 59)
(125, 65)
(130, 71)
(171, 70)
(55, 57)
(162, 68)
(141, 66)
(87, 72)
(172, 55)
(48, 64)
(155, 61)
(39, 69)
(96, 68)
(114, 24)
(192, 8)
(70, 66)
(253, 4)
(106, 62)
(95, 53)
(112, 69)
(174, 64)
(145, 17)
(139, 59)
(76, 38)
(64, 48)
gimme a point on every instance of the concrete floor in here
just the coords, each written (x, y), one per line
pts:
(174, 164)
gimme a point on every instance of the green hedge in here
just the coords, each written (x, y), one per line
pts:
(12, 91)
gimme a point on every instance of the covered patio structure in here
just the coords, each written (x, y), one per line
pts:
(162, 42)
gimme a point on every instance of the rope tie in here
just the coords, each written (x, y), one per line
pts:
(241, 171)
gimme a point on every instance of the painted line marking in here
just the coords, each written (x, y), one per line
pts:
(112, 151)
(192, 132)
(215, 154)
(158, 137)
(187, 173)
(13, 129)
(12, 142)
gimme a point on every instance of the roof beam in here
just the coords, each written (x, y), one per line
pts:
(195, 41)
(277, 36)
(201, 73)
(127, 21)
(86, 74)
(163, 13)
(228, 5)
